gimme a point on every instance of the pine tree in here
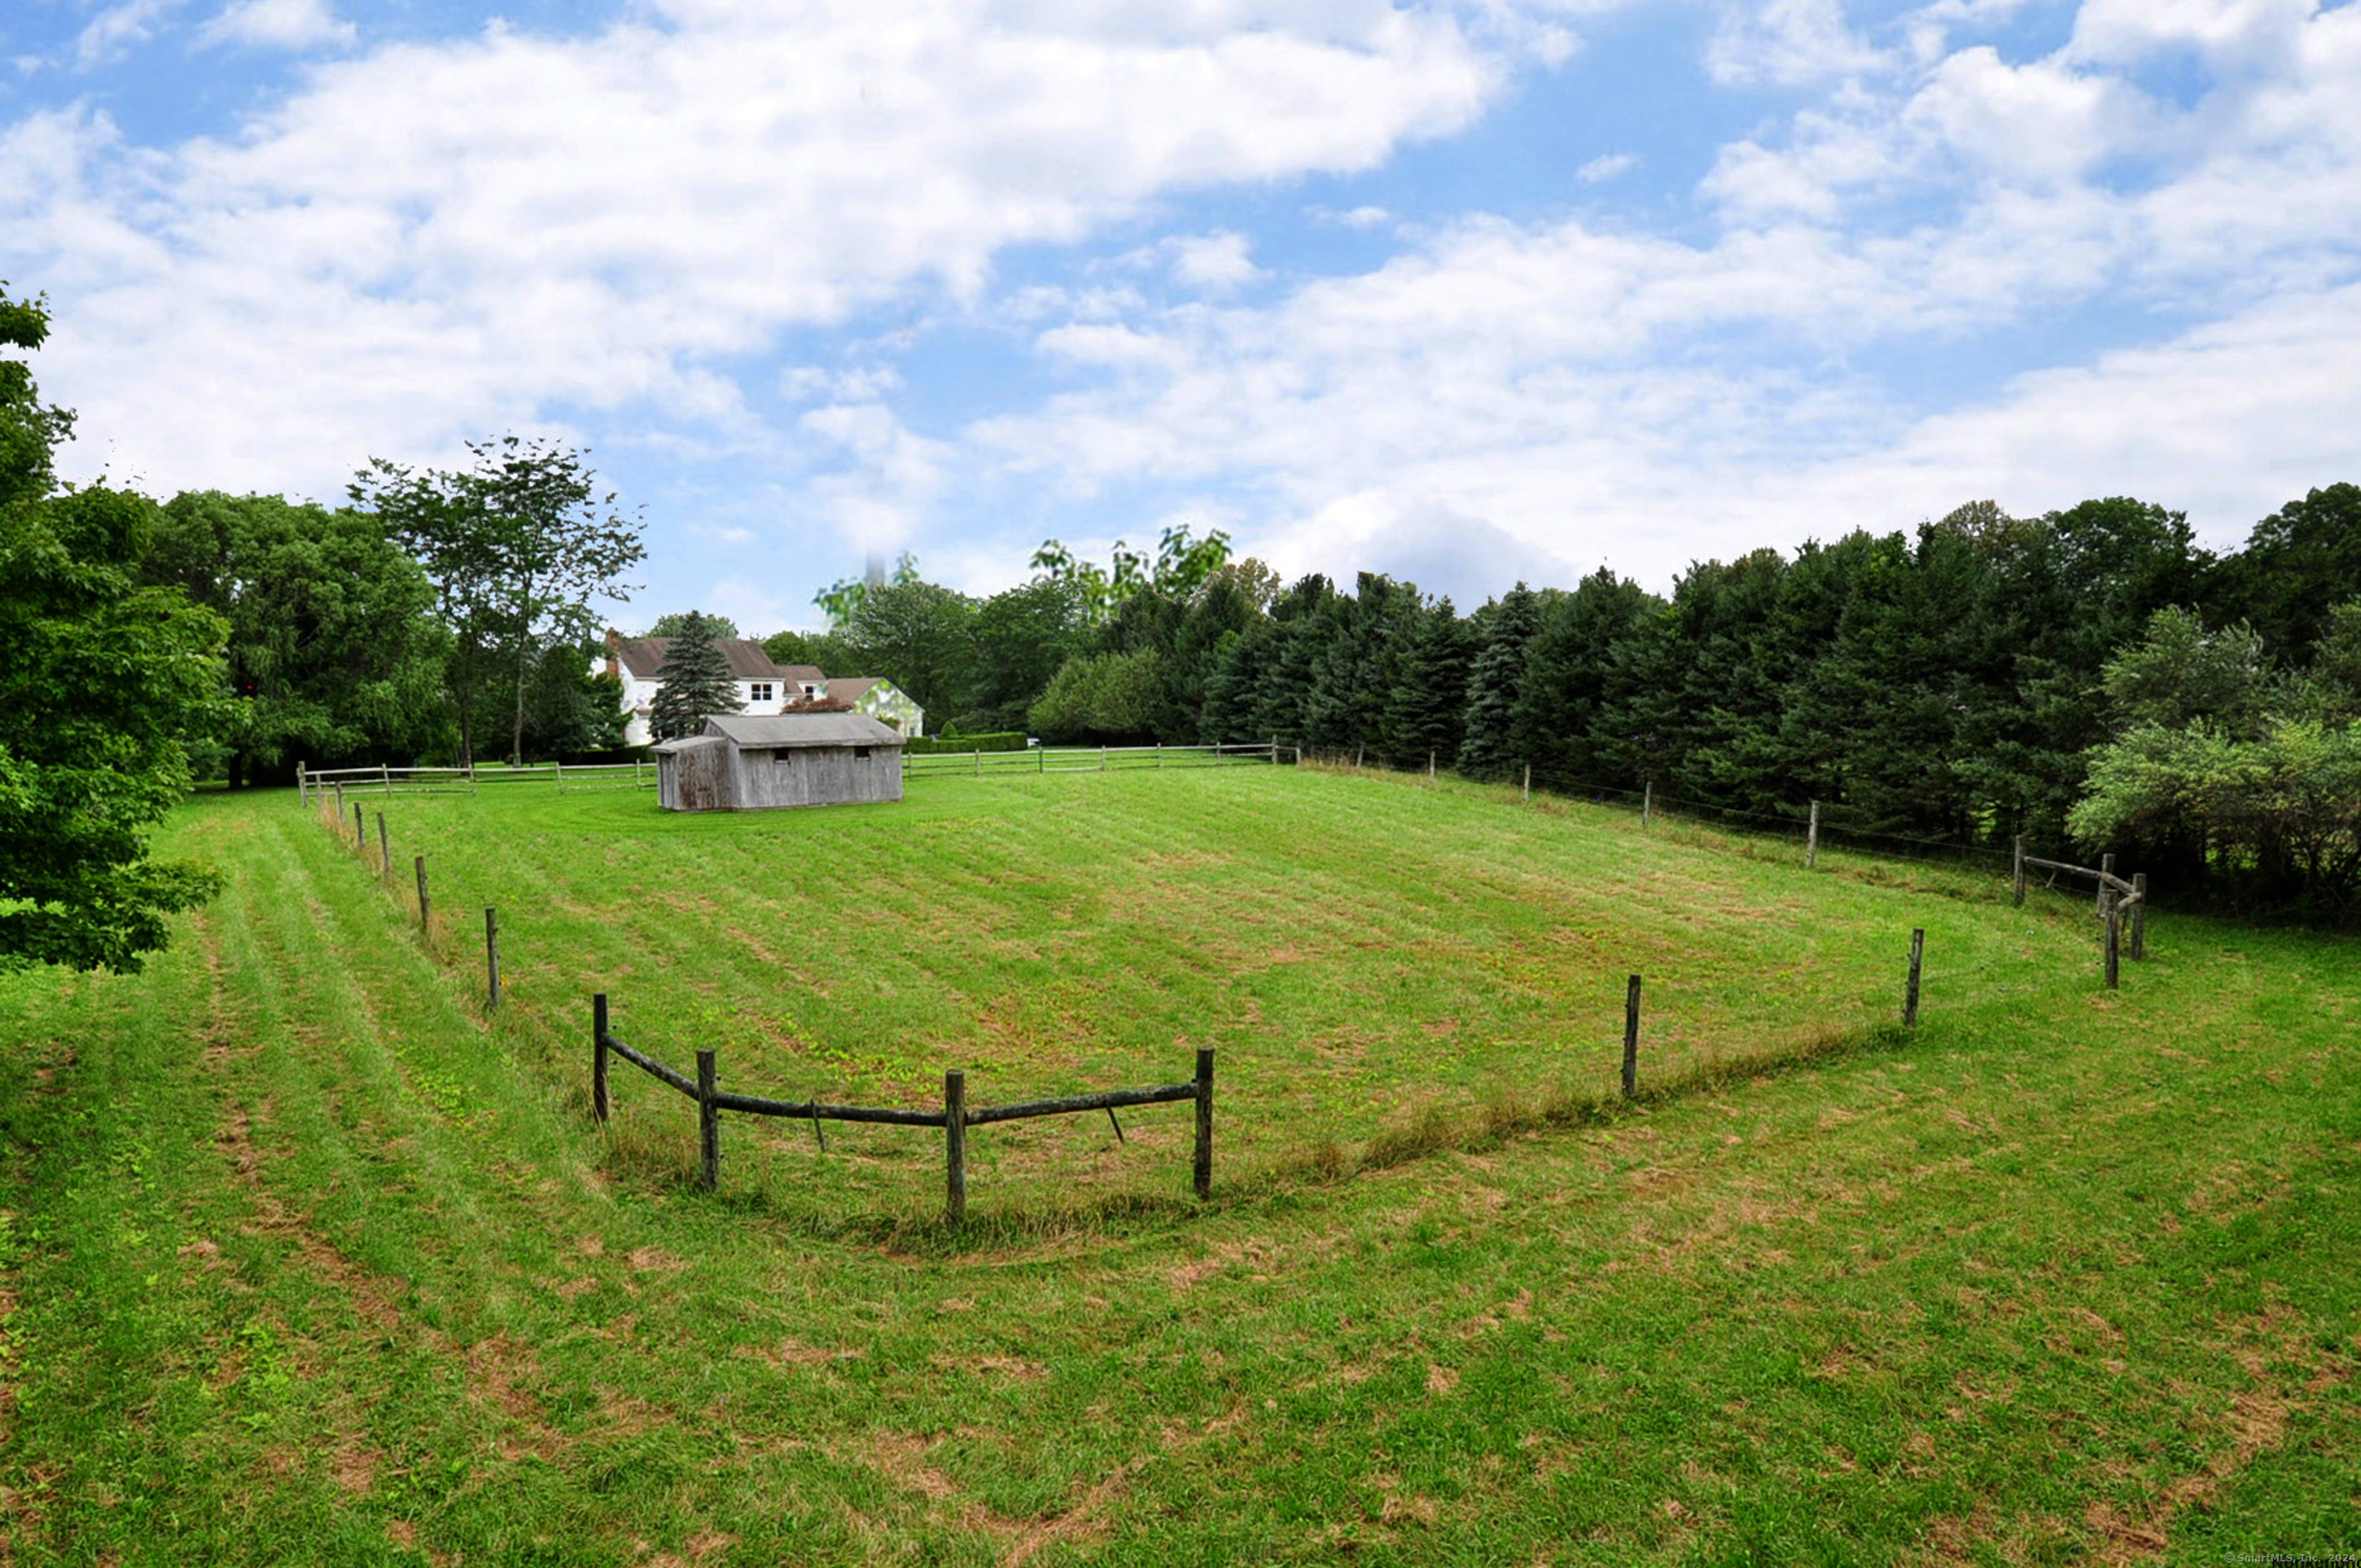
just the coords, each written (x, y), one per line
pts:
(697, 682)
(1497, 684)
(1427, 708)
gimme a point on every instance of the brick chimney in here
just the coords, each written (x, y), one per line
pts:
(614, 652)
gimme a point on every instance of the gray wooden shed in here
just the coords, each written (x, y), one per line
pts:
(745, 762)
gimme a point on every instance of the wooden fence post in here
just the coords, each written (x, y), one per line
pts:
(1274, 751)
(492, 960)
(1648, 803)
(599, 1106)
(1632, 1039)
(360, 830)
(422, 907)
(385, 778)
(2106, 869)
(979, 762)
(2110, 911)
(955, 1146)
(1101, 759)
(1204, 1165)
(2139, 916)
(1529, 784)
(709, 1125)
(340, 807)
(1429, 767)
(1812, 838)
(384, 846)
(2017, 878)
(1910, 997)
(302, 784)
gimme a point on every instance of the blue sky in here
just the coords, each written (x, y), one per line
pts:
(1462, 291)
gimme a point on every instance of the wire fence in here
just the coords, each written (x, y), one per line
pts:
(1088, 760)
(1814, 825)
(386, 778)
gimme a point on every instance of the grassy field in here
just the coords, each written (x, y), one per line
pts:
(303, 1260)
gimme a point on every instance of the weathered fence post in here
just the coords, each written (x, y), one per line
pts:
(421, 893)
(2017, 878)
(1429, 767)
(1529, 784)
(1632, 1039)
(492, 960)
(709, 1125)
(979, 762)
(1159, 753)
(2106, 869)
(955, 1146)
(2111, 911)
(340, 807)
(385, 778)
(1812, 838)
(1103, 754)
(561, 775)
(384, 846)
(2139, 915)
(1041, 755)
(1204, 1165)
(1648, 803)
(360, 830)
(302, 784)
(599, 1107)
(1910, 996)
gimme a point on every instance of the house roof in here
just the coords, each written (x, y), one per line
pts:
(763, 732)
(643, 656)
(802, 673)
(847, 688)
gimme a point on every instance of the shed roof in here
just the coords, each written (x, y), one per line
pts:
(803, 729)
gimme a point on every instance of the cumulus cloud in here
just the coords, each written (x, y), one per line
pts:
(1786, 43)
(120, 28)
(277, 24)
(1593, 393)
(426, 239)
(1606, 166)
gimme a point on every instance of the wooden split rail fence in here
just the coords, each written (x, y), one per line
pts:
(388, 779)
(955, 1118)
(2117, 904)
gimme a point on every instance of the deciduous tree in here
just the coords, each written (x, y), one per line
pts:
(104, 683)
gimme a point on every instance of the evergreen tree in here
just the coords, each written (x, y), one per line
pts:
(1566, 676)
(697, 682)
(1498, 682)
(1427, 709)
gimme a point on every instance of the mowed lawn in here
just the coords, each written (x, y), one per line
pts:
(304, 1260)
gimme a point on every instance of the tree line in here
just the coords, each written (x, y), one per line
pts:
(2090, 677)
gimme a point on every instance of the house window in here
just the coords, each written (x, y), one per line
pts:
(758, 691)
(811, 688)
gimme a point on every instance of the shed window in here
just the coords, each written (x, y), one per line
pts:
(758, 691)
(861, 750)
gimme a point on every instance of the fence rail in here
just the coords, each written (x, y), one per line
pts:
(1087, 758)
(388, 779)
(954, 1118)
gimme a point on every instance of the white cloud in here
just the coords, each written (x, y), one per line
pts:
(277, 24)
(120, 28)
(1361, 217)
(1606, 166)
(1215, 263)
(1786, 43)
(427, 240)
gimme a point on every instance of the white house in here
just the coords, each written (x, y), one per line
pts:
(764, 688)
